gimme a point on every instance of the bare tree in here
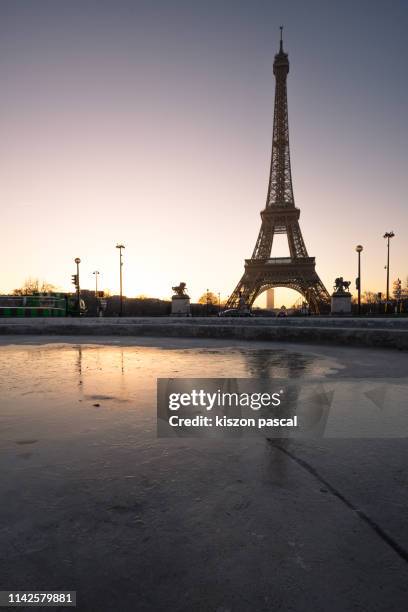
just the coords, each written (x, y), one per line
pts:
(368, 297)
(33, 285)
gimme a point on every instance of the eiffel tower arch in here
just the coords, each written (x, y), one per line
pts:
(280, 216)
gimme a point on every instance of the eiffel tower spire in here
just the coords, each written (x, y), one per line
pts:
(280, 190)
(280, 216)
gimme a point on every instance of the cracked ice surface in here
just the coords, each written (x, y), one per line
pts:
(93, 501)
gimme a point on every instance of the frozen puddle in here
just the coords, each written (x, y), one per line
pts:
(94, 502)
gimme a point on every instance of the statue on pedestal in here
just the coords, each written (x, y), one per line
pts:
(180, 301)
(341, 297)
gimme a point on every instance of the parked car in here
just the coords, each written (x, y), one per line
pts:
(235, 312)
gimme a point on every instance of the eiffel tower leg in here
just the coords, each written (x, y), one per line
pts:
(297, 246)
(247, 289)
(316, 294)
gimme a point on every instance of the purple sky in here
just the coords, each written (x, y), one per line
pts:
(150, 123)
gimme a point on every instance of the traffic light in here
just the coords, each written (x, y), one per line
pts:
(357, 283)
(397, 288)
(75, 280)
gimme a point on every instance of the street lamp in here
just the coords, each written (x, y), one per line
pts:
(96, 282)
(208, 305)
(359, 248)
(388, 235)
(120, 247)
(219, 302)
(78, 290)
(96, 291)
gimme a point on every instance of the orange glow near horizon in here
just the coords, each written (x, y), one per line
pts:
(159, 135)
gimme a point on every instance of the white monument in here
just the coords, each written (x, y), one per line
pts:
(270, 299)
(341, 298)
(180, 302)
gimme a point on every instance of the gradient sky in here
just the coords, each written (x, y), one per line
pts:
(150, 123)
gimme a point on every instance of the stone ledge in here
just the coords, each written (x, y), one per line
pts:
(397, 322)
(374, 336)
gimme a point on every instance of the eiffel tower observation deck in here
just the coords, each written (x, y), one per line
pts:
(280, 216)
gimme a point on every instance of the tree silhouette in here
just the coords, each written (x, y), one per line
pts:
(34, 285)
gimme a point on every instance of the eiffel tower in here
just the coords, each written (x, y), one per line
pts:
(280, 216)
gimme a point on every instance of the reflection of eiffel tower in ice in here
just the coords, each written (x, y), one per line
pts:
(278, 363)
(309, 398)
(280, 216)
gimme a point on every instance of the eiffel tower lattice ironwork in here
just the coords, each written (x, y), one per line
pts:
(280, 216)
